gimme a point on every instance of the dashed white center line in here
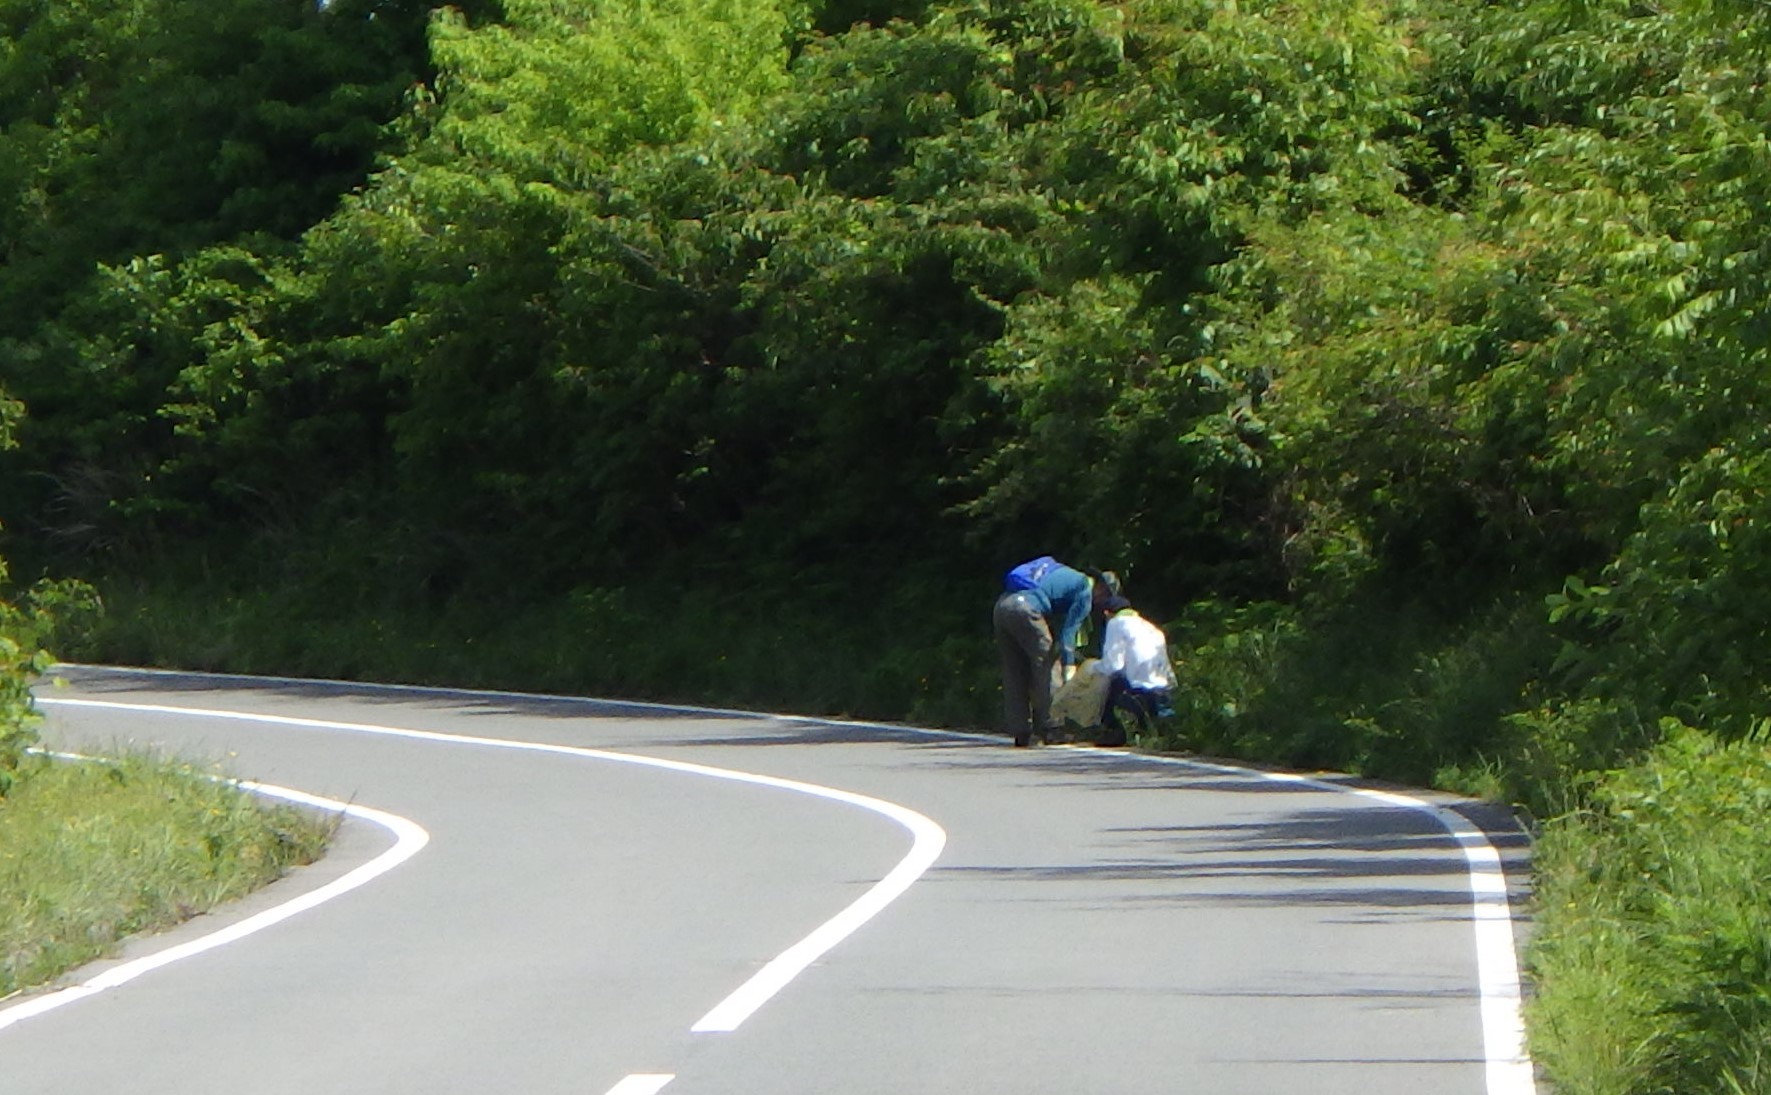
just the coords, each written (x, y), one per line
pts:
(1509, 1065)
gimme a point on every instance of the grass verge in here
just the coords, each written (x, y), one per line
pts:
(93, 852)
(1652, 950)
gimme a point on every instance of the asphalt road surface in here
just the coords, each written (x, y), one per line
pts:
(549, 896)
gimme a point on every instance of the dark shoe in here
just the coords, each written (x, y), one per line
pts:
(1111, 738)
(1023, 739)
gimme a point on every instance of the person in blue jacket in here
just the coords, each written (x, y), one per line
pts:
(1036, 634)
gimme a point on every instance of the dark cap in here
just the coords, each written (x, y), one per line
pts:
(1107, 579)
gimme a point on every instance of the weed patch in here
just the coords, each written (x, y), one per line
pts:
(1653, 942)
(93, 852)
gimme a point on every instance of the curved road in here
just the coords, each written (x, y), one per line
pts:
(615, 899)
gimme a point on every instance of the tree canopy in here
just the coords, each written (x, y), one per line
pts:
(1292, 312)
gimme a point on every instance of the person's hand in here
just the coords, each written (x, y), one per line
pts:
(1066, 673)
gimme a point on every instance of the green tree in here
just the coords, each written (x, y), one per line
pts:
(153, 127)
(131, 136)
(1636, 206)
(20, 659)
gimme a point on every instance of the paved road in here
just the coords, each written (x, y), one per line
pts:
(1094, 922)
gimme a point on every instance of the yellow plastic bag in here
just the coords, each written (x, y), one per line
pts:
(1082, 699)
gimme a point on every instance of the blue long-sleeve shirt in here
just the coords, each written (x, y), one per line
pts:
(1065, 596)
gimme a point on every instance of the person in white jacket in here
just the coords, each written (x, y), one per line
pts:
(1134, 654)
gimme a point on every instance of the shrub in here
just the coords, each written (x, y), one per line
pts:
(1653, 946)
(23, 629)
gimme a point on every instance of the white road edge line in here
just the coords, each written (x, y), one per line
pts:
(928, 838)
(643, 1083)
(1509, 1068)
(409, 839)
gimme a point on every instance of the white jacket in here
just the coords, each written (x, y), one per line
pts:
(1137, 649)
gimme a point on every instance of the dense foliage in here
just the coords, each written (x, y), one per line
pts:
(1407, 356)
(1359, 326)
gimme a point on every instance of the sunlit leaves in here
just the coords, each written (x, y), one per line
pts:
(11, 410)
(1310, 299)
(558, 86)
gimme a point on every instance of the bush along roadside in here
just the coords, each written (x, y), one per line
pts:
(63, 607)
(1652, 950)
(20, 663)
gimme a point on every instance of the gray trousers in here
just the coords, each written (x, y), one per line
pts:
(1029, 663)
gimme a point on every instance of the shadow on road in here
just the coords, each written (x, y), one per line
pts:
(1341, 852)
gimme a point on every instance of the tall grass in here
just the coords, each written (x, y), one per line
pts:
(1387, 688)
(802, 646)
(1652, 950)
(93, 852)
